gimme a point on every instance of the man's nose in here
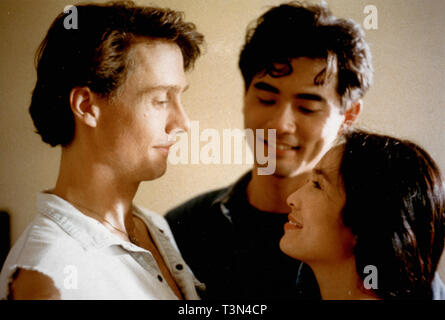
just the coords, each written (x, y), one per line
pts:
(178, 120)
(283, 120)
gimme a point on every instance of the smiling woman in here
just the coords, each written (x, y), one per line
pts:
(374, 201)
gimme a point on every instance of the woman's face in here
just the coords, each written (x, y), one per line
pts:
(315, 231)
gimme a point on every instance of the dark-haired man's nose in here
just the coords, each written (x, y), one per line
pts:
(283, 120)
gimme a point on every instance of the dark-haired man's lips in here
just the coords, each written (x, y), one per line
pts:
(282, 146)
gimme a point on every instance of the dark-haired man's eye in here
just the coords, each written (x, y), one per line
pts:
(306, 110)
(266, 102)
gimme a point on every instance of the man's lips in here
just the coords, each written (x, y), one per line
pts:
(164, 147)
(281, 145)
(165, 144)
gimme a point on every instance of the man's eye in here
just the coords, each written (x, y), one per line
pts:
(306, 110)
(161, 103)
(316, 184)
(266, 102)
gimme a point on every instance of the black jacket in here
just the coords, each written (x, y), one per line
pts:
(233, 248)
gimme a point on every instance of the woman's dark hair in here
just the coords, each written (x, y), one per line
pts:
(294, 30)
(395, 207)
(95, 55)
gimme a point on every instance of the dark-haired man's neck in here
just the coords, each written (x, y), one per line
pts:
(269, 192)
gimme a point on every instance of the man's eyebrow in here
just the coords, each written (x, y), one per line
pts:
(266, 87)
(310, 96)
(304, 96)
(164, 88)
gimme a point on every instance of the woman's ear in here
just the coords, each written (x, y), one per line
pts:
(84, 106)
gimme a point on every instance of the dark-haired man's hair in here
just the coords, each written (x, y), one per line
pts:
(295, 30)
(395, 207)
(95, 55)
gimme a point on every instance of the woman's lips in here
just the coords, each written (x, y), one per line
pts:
(292, 224)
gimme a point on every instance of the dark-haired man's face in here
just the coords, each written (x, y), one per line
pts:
(307, 117)
(137, 128)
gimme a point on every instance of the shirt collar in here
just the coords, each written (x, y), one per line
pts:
(86, 230)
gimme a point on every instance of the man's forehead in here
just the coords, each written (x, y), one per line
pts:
(157, 56)
(154, 65)
(144, 50)
(308, 70)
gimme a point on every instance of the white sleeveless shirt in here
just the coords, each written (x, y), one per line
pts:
(86, 261)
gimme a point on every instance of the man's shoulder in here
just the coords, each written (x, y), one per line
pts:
(200, 204)
(155, 218)
(197, 204)
(192, 220)
(438, 288)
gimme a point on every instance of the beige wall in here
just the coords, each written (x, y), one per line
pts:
(407, 99)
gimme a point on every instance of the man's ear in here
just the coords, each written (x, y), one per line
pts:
(351, 114)
(84, 106)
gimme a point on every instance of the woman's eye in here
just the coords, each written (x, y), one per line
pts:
(316, 184)
(266, 102)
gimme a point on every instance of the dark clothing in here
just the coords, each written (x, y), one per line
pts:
(234, 248)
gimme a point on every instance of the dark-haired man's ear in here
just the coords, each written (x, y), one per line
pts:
(351, 115)
(83, 105)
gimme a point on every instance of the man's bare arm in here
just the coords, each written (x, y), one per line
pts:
(33, 285)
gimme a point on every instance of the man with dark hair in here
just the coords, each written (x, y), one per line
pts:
(305, 73)
(109, 92)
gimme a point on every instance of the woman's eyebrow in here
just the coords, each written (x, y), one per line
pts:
(321, 172)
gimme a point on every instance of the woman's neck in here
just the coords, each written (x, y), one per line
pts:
(340, 281)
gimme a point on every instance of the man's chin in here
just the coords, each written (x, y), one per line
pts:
(283, 170)
(285, 173)
(155, 173)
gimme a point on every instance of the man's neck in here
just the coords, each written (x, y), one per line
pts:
(94, 187)
(269, 192)
(340, 281)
